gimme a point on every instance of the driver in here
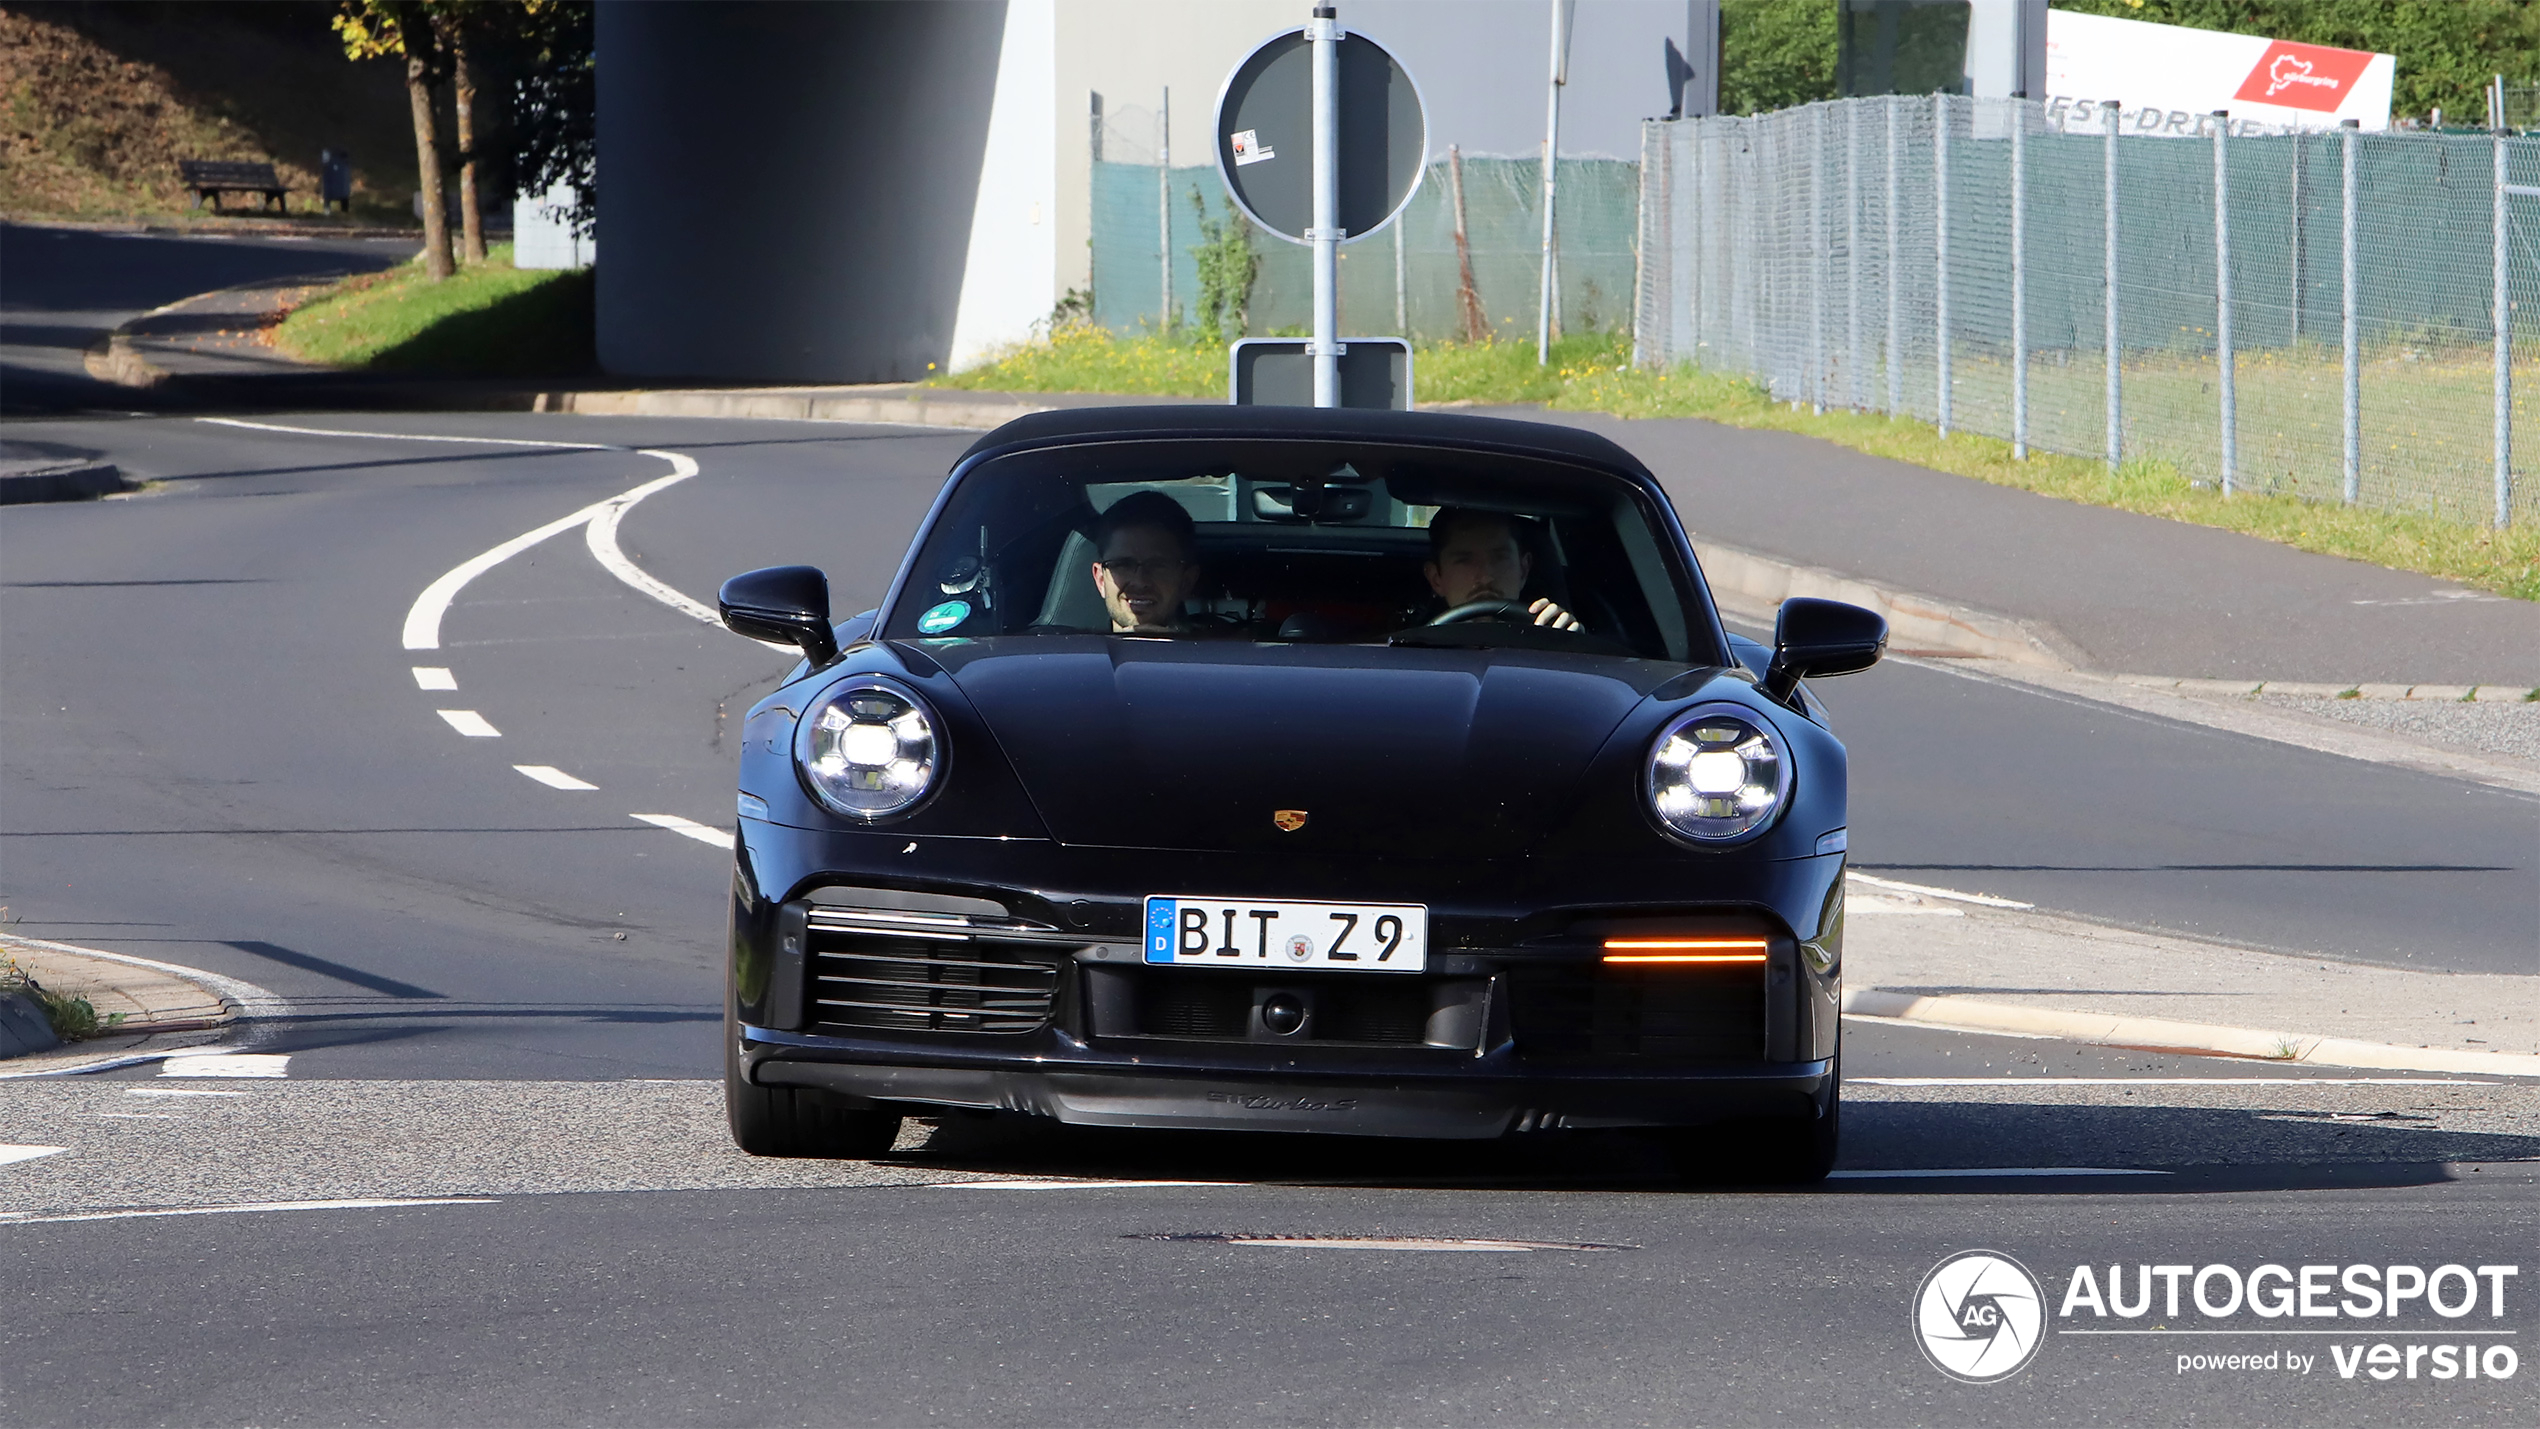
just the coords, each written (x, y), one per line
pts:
(1475, 555)
(1143, 567)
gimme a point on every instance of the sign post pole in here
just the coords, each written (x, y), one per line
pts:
(1324, 31)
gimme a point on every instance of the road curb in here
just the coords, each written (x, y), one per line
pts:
(1751, 585)
(895, 405)
(2154, 1034)
(62, 481)
(166, 1007)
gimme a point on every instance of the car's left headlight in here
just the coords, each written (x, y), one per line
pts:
(1717, 775)
(868, 750)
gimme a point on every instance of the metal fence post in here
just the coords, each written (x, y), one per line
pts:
(1855, 395)
(1940, 249)
(1895, 309)
(1817, 258)
(2019, 278)
(2351, 309)
(2222, 298)
(1164, 206)
(2500, 240)
(2116, 390)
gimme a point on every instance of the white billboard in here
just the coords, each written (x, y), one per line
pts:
(2169, 79)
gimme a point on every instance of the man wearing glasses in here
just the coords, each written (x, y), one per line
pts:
(1145, 569)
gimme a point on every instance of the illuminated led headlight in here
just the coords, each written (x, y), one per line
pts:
(868, 751)
(1717, 775)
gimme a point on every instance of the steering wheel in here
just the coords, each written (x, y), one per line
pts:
(1486, 610)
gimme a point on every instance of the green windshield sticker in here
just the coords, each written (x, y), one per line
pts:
(943, 617)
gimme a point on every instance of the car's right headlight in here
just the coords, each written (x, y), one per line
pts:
(868, 750)
(1717, 775)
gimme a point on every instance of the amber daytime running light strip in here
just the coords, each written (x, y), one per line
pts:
(1685, 950)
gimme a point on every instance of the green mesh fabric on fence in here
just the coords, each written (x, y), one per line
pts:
(1806, 249)
(1597, 210)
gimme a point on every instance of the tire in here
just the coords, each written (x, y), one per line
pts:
(798, 1121)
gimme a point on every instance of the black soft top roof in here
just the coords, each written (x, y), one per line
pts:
(1452, 430)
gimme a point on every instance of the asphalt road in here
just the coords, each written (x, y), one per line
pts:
(504, 994)
(63, 289)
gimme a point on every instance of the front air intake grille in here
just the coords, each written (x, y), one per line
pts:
(880, 981)
(1662, 1014)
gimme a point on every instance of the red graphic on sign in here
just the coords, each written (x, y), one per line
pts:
(2304, 76)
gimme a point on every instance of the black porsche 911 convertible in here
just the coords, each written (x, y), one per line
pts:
(1372, 773)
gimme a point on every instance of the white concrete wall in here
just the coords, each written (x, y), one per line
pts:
(1009, 281)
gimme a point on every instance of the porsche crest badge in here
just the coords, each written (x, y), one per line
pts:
(1289, 820)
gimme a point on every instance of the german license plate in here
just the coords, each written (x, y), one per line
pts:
(1322, 937)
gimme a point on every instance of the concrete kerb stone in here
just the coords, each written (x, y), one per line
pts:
(161, 1007)
(26, 483)
(2154, 1034)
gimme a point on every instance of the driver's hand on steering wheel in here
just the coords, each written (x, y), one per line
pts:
(1546, 613)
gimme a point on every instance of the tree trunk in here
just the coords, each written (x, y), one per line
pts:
(463, 86)
(436, 217)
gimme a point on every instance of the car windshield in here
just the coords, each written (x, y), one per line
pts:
(1298, 542)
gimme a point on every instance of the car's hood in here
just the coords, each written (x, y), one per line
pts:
(1198, 745)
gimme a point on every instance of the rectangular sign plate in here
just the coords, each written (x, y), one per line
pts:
(1261, 933)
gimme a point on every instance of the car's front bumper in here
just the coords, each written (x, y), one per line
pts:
(1472, 1097)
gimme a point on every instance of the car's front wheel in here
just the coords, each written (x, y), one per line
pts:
(797, 1121)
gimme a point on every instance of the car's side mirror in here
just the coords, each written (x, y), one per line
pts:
(783, 605)
(1813, 638)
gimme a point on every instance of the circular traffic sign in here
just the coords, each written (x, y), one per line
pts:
(1265, 135)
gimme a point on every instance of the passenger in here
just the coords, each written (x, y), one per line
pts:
(1475, 555)
(1145, 569)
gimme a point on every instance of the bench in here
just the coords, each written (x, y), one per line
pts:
(210, 178)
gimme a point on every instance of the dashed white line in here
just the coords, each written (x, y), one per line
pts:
(1071, 1185)
(702, 833)
(227, 1064)
(434, 677)
(367, 1203)
(553, 777)
(470, 723)
(10, 1155)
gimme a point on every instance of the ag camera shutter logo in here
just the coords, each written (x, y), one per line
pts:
(1980, 1316)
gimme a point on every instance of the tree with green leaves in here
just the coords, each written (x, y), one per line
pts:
(555, 106)
(378, 29)
(1775, 54)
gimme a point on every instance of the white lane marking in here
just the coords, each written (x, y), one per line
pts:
(135, 1116)
(227, 1064)
(1955, 1173)
(407, 436)
(1056, 1185)
(423, 618)
(553, 777)
(367, 1203)
(1867, 907)
(702, 833)
(434, 677)
(601, 537)
(10, 1155)
(1403, 1242)
(179, 1092)
(1984, 900)
(470, 723)
(2168, 1082)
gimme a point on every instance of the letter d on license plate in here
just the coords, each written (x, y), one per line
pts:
(1322, 937)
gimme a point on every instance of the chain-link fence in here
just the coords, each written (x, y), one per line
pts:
(2330, 329)
(1406, 280)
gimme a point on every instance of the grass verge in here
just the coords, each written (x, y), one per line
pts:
(487, 320)
(1592, 373)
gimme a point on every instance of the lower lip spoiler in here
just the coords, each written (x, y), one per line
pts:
(1446, 1107)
